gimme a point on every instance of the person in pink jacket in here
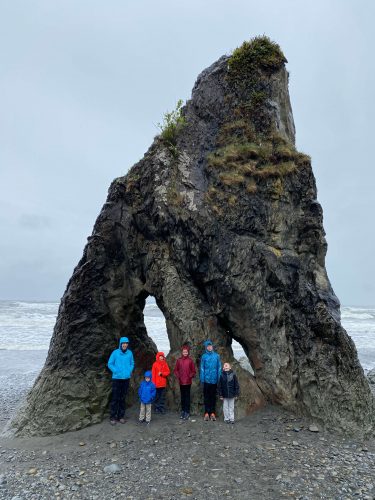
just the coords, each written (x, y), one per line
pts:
(185, 372)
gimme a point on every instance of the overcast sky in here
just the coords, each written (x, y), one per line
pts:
(83, 83)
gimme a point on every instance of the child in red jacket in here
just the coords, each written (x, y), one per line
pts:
(160, 372)
(185, 372)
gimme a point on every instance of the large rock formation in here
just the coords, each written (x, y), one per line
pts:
(220, 223)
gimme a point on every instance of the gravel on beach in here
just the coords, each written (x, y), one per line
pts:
(270, 454)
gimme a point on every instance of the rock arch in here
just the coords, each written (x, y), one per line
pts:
(223, 228)
(155, 325)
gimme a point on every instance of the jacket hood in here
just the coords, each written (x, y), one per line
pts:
(148, 374)
(185, 347)
(122, 340)
(159, 354)
(206, 343)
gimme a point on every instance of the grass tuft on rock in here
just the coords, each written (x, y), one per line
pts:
(260, 53)
(173, 123)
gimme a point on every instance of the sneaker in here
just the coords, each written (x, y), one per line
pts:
(186, 416)
(213, 417)
(122, 420)
(112, 421)
(148, 423)
(182, 415)
(206, 417)
(140, 421)
(232, 422)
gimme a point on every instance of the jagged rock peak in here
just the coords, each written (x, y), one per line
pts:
(220, 223)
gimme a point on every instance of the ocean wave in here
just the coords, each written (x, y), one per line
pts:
(356, 315)
(43, 306)
(24, 347)
(27, 321)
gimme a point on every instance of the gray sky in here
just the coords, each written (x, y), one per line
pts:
(83, 83)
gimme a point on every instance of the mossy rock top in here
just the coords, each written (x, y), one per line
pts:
(258, 54)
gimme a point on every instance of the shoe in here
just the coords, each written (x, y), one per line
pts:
(231, 422)
(206, 417)
(148, 423)
(182, 415)
(226, 421)
(213, 417)
(112, 421)
(140, 421)
(186, 416)
(122, 420)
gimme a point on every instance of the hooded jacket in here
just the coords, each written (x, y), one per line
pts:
(147, 390)
(121, 363)
(160, 371)
(185, 369)
(228, 386)
(210, 369)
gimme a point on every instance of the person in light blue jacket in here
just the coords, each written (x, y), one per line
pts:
(121, 364)
(210, 371)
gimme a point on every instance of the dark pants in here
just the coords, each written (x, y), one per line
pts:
(209, 394)
(119, 390)
(159, 402)
(185, 397)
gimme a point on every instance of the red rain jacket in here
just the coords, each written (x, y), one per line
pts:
(185, 370)
(160, 371)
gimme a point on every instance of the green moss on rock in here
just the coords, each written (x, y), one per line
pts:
(260, 53)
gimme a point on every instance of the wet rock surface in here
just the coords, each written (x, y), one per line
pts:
(371, 377)
(270, 454)
(224, 229)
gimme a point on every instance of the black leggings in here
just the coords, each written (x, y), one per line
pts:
(119, 390)
(209, 394)
(159, 402)
(185, 398)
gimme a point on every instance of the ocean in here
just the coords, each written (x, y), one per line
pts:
(28, 326)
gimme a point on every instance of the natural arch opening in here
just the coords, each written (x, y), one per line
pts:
(241, 357)
(155, 324)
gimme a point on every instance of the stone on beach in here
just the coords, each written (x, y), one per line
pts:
(112, 469)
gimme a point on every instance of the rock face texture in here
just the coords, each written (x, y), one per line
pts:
(220, 223)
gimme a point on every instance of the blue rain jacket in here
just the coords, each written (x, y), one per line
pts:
(121, 363)
(147, 390)
(210, 369)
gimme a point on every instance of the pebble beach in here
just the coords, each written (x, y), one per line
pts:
(270, 454)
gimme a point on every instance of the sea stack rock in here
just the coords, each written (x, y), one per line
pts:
(220, 223)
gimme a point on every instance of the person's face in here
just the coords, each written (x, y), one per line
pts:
(210, 347)
(185, 352)
(124, 346)
(161, 358)
(147, 379)
(226, 367)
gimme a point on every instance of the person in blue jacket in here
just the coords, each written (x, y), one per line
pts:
(146, 393)
(121, 364)
(210, 371)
